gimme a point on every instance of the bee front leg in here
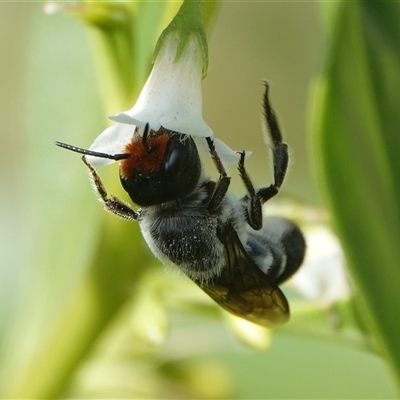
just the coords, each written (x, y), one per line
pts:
(112, 204)
(221, 187)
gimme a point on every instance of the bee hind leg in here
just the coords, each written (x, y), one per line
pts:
(255, 198)
(279, 149)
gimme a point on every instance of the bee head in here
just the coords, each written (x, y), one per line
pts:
(162, 166)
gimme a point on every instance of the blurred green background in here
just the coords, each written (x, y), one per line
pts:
(50, 220)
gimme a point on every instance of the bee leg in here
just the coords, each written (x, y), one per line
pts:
(279, 149)
(112, 204)
(221, 187)
(252, 199)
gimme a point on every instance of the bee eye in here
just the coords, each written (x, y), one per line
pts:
(177, 159)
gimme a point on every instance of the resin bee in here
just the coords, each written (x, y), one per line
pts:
(220, 242)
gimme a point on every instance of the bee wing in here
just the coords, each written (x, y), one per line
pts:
(244, 290)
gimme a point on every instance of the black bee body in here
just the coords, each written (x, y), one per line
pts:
(184, 232)
(222, 243)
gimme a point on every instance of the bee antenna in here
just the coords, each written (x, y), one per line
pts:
(115, 157)
(145, 136)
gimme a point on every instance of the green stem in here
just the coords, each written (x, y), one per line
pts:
(112, 30)
(188, 21)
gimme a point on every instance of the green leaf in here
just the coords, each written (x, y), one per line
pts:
(357, 147)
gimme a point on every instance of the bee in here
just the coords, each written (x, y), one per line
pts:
(222, 243)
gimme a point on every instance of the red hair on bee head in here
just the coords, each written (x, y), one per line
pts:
(146, 153)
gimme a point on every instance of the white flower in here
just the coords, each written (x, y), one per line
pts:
(171, 98)
(322, 277)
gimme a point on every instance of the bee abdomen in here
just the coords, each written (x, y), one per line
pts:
(278, 248)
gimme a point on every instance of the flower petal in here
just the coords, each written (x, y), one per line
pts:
(172, 95)
(111, 141)
(322, 276)
(226, 154)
